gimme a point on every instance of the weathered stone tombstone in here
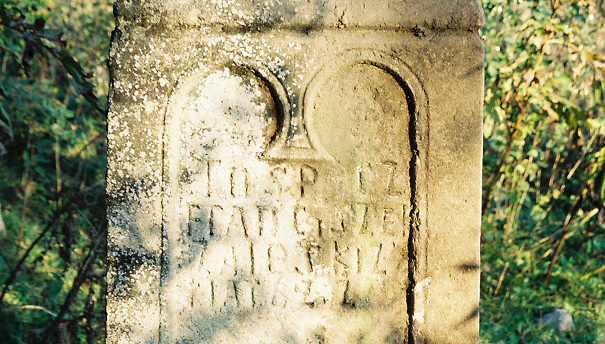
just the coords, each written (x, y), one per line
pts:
(294, 172)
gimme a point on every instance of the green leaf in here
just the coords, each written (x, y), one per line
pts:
(5, 116)
(488, 125)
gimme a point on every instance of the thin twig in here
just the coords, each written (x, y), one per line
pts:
(58, 213)
(573, 170)
(566, 226)
(17, 267)
(81, 277)
(500, 279)
(40, 308)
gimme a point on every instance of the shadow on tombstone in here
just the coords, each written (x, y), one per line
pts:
(284, 185)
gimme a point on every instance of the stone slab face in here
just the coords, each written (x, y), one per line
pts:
(294, 172)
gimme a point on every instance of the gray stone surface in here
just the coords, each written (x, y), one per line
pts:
(294, 172)
(559, 319)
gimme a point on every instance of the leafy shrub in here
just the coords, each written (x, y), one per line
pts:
(543, 241)
(52, 170)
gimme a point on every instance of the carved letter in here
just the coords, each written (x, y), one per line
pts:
(308, 176)
(239, 182)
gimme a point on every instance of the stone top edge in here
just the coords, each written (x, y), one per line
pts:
(302, 14)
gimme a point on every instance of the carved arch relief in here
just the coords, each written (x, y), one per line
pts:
(226, 107)
(304, 136)
(245, 89)
(250, 203)
(365, 88)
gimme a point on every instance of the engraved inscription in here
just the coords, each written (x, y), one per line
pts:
(304, 236)
(282, 239)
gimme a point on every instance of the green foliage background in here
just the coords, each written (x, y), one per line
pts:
(52, 169)
(543, 244)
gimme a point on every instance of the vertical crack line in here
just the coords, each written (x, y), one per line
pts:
(163, 332)
(163, 229)
(414, 216)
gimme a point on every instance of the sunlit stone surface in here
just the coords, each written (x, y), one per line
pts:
(280, 174)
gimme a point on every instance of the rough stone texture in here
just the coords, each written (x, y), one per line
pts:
(294, 172)
(559, 319)
(254, 15)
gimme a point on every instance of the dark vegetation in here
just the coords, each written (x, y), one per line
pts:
(543, 244)
(52, 170)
